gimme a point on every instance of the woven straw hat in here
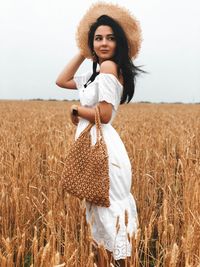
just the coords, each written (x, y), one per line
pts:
(122, 15)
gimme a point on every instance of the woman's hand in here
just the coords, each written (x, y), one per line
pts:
(74, 118)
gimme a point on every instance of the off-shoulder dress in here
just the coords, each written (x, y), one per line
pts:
(106, 87)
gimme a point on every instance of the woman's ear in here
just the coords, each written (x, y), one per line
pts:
(94, 57)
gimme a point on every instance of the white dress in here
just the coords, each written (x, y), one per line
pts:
(107, 88)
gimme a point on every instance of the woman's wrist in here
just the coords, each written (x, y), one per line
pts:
(74, 110)
(82, 57)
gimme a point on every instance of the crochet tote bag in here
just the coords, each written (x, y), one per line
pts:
(86, 172)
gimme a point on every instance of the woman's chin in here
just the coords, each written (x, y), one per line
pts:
(103, 58)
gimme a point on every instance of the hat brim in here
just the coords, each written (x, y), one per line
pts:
(127, 21)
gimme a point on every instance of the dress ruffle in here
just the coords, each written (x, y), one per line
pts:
(104, 228)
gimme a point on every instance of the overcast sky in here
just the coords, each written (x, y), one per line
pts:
(38, 38)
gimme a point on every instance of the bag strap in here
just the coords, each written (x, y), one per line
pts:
(97, 123)
(87, 129)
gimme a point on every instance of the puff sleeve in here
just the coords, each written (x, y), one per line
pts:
(109, 89)
(81, 79)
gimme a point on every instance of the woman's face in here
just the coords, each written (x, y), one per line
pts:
(104, 43)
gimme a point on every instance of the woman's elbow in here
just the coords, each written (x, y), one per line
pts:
(105, 112)
(105, 119)
(59, 83)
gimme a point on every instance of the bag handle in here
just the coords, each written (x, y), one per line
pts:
(97, 123)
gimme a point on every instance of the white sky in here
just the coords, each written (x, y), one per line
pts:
(38, 38)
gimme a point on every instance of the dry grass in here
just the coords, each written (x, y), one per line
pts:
(41, 227)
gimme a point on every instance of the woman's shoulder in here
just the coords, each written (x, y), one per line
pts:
(110, 67)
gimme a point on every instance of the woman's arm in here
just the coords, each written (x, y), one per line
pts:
(65, 78)
(105, 111)
(105, 108)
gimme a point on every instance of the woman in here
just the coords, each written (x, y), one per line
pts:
(106, 42)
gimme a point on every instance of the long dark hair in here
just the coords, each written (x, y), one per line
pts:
(124, 63)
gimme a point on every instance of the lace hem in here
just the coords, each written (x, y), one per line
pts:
(103, 223)
(120, 247)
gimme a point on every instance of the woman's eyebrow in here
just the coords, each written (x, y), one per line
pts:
(110, 34)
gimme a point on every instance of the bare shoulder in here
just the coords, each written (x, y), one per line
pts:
(108, 66)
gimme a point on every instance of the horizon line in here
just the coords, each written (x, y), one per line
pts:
(73, 100)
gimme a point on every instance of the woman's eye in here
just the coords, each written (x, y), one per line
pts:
(110, 38)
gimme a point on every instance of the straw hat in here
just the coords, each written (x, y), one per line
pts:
(122, 15)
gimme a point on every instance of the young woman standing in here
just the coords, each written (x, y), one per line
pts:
(110, 36)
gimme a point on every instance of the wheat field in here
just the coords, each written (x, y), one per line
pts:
(41, 226)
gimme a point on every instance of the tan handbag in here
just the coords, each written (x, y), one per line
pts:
(86, 171)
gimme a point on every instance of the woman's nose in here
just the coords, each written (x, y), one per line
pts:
(104, 41)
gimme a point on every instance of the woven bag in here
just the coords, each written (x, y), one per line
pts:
(86, 171)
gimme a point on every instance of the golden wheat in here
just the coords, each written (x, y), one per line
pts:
(40, 226)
